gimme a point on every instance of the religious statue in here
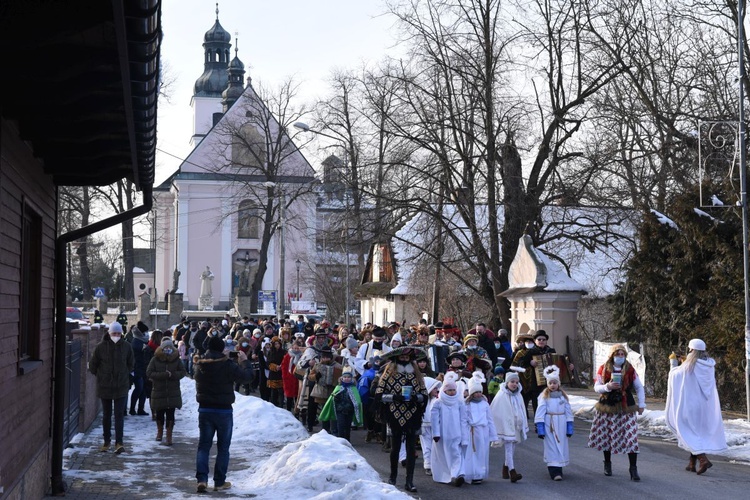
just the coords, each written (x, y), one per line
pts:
(206, 278)
(244, 284)
(175, 280)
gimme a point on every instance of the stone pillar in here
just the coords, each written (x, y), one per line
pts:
(89, 402)
(242, 304)
(176, 306)
(101, 305)
(143, 305)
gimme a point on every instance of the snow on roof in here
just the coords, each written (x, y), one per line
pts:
(596, 270)
(138, 270)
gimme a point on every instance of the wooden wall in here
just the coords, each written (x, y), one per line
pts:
(26, 409)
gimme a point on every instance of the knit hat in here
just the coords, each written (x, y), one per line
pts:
(449, 381)
(475, 383)
(512, 376)
(351, 343)
(552, 373)
(299, 335)
(347, 372)
(431, 384)
(498, 370)
(115, 327)
(142, 326)
(257, 333)
(697, 345)
(167, 342)
(215, 344)
(246, 333)
(617, 347)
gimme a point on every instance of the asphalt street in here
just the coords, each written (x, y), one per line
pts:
(661, 466)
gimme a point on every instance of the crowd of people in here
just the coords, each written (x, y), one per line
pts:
(428, 389)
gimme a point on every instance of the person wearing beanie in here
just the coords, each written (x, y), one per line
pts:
(509, 413)
(693, 411)
(493, 386)
(615, 426)
(139, 342)
(554, 423)
(215, 376)
(481, 429)
(366, 351)
(449, 434)
(396, 340)
(111, 364)
(344, 405)
(348, 351)
(165, 371)
(270, 363)
(433, 386)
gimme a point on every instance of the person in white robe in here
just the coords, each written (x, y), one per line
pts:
(448, 434)
(511, 420)
(693, 412)
(554, 423)
(482, 432)
(425, 438)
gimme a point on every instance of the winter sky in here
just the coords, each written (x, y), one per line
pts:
(294, 38)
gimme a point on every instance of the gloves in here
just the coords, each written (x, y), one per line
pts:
(540, 430)
(436, 438)
(569, 429)
(420, 398)
(398, 398)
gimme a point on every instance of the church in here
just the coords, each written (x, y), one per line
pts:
(238, 217)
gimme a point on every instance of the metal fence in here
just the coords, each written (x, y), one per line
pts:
(73, 362)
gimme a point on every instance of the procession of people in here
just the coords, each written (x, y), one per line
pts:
(416, 390)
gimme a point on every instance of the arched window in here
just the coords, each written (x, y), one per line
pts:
(247, 220)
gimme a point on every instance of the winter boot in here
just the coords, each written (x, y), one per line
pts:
(387, 444)
(393, 477)
(368, 439)
(634, 473)
(409, 486)
(703, 464)
(607, 468)
(170, 426)
(514, 476)
(506, 475)
(159, 428)
(691, 464)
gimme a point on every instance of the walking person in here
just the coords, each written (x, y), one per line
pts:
(554, 423)
(482, 432)
(511, 421)
(215, 375)
(615, 427)
(693, 411)
(111, 364)
(138, 343)
(449, 433)
(165, 371)
(344, 406)
(425, 437)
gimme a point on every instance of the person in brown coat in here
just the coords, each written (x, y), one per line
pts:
(165, 371)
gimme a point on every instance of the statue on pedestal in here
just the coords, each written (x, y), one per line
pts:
(206, 301)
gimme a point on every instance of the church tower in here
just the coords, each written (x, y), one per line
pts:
(236, 78)
(207, 92)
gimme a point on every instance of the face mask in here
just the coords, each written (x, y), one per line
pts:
(168, 351)
(115, 338)
(214, 333)
(619, 360)
(529, 345)
(245, 344)
(497, 345)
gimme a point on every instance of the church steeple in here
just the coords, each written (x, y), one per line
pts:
(216, 46)
(236, 77)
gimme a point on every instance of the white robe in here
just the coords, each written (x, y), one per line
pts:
(448, 453)
(509, 415)
(555, 413)
(425, 438)
(481, 428)
(693, 411)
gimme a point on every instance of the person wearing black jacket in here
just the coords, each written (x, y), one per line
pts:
(215, 376)
(528, 362)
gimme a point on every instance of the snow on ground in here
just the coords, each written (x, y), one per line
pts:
(653, 424)
(278, 448)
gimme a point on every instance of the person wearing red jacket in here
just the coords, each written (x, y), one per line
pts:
(290, 380)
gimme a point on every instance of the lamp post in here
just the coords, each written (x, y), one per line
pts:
(282, 253)
(298, 263)
(306, 128)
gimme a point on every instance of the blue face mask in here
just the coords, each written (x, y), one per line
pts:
(245, 344)
(619, 360)
(168, 351)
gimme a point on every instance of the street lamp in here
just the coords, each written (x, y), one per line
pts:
(298, 263)
(306, 128)
(282, 253)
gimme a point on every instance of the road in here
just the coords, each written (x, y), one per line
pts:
(661, 466)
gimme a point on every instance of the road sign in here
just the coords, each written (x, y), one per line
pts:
(267, 301)
(98, 292)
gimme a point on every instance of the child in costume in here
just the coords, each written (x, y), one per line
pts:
(554, 423)
(343, 405)
(481, 428)
(493, 386)
(448, 433)
(509, 413)
(425, 438)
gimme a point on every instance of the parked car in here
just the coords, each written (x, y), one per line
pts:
(75, 314)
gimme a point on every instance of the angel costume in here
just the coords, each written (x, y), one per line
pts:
(448, 415)
(481, 428)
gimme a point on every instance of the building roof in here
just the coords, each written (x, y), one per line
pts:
(82, 82)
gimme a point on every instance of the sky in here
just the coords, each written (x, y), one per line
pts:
(325, 467)
(302, 39)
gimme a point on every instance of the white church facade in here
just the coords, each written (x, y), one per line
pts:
(243, 202)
